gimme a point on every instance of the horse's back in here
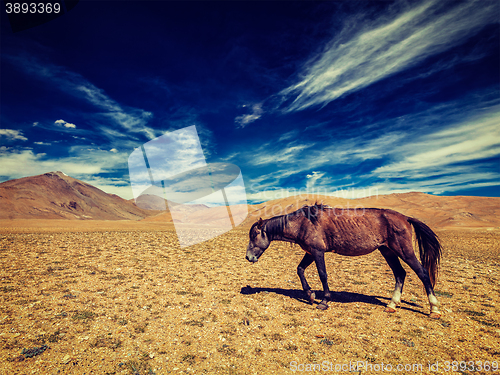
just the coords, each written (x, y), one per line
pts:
(359, 231)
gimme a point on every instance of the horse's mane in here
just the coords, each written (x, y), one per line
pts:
(276, 225)
(312, 212)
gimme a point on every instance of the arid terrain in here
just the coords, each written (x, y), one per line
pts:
(92, 284)
(110, 298)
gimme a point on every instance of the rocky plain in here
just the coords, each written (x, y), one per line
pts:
(104, 300)
(122, 297)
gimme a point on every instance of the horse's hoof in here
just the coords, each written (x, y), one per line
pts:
(312, 297)
(435, 315)
(389, 310)
(322, 306)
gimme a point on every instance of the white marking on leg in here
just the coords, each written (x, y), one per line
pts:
(434, 303)
(396, 298)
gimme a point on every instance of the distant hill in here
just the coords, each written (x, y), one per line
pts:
(436, 211)
(55, 195)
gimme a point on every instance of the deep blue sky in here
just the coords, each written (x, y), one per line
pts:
(344, 98)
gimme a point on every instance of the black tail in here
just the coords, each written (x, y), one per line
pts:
(429, 248)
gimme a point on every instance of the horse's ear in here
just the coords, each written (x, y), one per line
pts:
(259, 223)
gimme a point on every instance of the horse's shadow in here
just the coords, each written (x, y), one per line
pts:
(338, 297)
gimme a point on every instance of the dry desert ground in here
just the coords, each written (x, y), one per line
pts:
(123, 298)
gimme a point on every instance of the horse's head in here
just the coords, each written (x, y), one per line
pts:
(258, 243)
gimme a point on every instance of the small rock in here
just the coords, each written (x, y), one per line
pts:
(28, 353)
(409, 343)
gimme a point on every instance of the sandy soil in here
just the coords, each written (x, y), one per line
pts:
(112, 299)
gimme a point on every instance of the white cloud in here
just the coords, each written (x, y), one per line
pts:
(26, 163)
(65, 124)
(354, 60)
(244, 120)
(42, 143)
(114, 150)
(435, 153)
(12, 135)
(83, 163)
(312, 178)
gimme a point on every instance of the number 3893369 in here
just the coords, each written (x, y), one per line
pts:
(32, 8)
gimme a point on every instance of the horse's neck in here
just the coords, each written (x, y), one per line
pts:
(282, 235)
(291, 230)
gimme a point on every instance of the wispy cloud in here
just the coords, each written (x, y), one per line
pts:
(433, 154)
(133, 120)
(288, 135)
(312, 178)
(303, 155)
(12, 135)
(402, 39)
(266, 154)
(244, 120)
(445, 148)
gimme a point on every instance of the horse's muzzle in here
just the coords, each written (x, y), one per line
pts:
(252, 258)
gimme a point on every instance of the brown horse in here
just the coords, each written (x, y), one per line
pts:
(319, 229)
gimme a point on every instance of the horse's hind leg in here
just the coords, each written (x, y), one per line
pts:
(408, 256)
(399, 274)
(304, 263)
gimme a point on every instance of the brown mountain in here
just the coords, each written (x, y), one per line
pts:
(436, 211)
(55, 195)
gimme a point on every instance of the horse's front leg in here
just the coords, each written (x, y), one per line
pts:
(304, 263)
(319, 258)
